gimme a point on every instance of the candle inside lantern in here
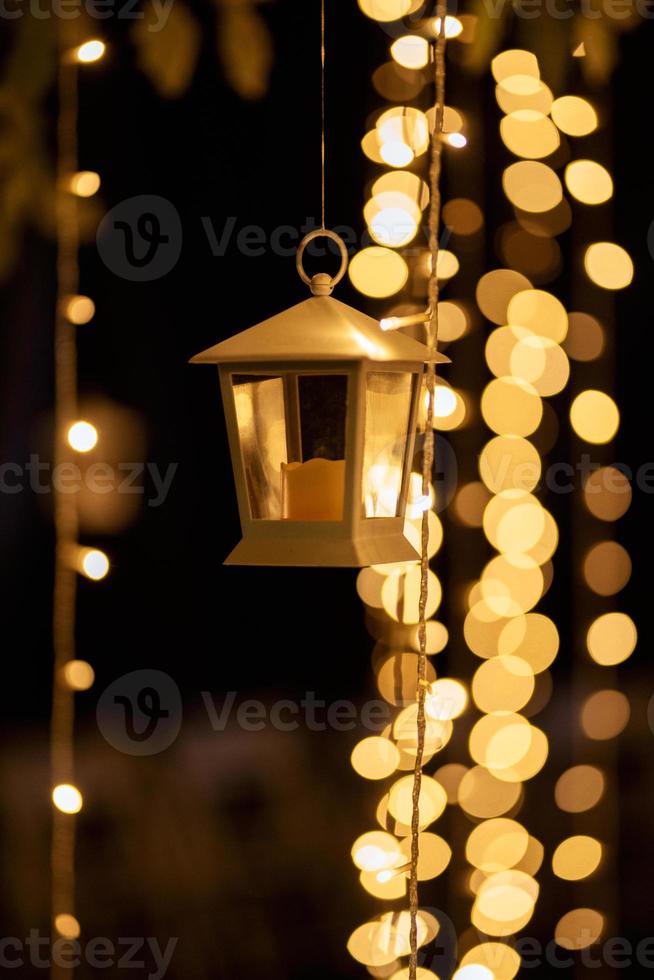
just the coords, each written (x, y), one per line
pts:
(313, 491)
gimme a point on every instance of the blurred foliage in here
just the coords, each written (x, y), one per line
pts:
(500, 24)
(166, 51)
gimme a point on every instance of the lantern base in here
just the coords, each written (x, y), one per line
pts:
(323, 553)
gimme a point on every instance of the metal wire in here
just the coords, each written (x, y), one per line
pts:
(431, 330)
(62, 853)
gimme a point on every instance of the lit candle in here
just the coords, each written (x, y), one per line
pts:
(313, 491)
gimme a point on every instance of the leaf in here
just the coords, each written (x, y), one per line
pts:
(167, 48)
(601, 49)
(245, 48)
(490, 22)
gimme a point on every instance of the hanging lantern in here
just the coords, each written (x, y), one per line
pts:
(321, 409)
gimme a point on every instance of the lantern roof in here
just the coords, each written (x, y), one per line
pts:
(319, 329)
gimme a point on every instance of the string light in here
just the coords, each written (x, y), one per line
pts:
(90, 51)
(93, 563)
(85, 183)
(78, 675)
(67, 798)
(82, 436)
(79, 309)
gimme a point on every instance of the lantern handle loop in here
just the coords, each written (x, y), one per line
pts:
(321, 284)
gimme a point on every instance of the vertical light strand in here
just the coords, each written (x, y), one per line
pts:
(427, 467)
(65, 505)
(322, 113)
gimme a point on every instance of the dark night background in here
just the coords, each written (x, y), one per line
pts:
(239, 843)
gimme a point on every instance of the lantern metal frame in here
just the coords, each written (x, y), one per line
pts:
(321, 336)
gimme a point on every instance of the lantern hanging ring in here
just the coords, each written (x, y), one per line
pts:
(322, 283)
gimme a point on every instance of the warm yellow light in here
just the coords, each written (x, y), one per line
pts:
(585, 339)
(79, 309)
(579, 929)
(509, 463)
(473, 971)
(576, 858)
(594, 416)
(446, 699)
(405, 733)
(605, 714)
(533, 638)
(82, 436)
(502, 961)
(514, 62)
(85, 183)
(540, 312)
(396, 153)
(452, 321)
(483, 796)
(434, 855)
(411, 51)
(376, 850)
(496, 845)
(90, 51)
(607, 568)
(514, 521)
(542, 363)
(503, 683)
(456, 140)
(67, 798)
(406, 183)
(469, 504)
(523, 92)
(588, 181)
(463, 216)
(380, 942)
(530, 134)
(67, 926)
(608, 265)
(532, 186)
(404, 125)
(450, 776)
(496, 289)
(607, 493)
(574, 115)
(444, 401)
(385, 11)
(511, 407)
(375, 758)
(396, 677)
(78, 675)
(432, 800)
(612, 638)
(401, 595)
(579, 788)
(453, 26)
(500, 740)
(378, 272)
(392, 218)
(93, 563)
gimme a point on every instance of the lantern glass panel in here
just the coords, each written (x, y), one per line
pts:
(313, 482)
(388, 414)
(261, 419)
